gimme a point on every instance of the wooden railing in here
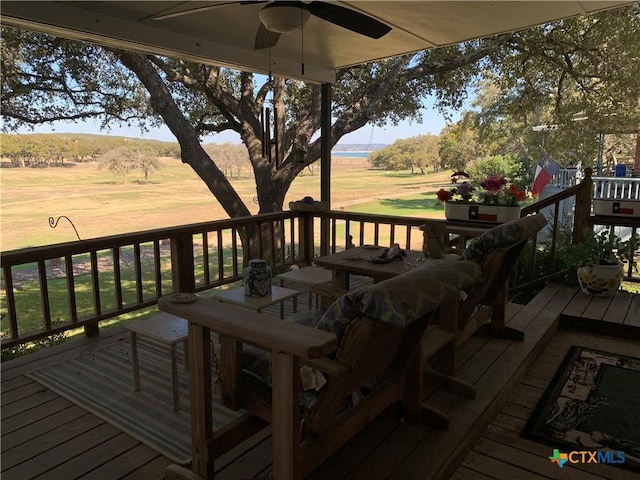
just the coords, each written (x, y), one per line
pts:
(569, 213)
(51, 289)
(78, 284)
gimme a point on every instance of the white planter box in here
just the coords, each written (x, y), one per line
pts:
(480, 213)
(619, 208)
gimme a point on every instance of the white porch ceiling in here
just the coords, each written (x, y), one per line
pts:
(225, 35)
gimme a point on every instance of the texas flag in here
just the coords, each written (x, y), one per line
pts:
(545, 170)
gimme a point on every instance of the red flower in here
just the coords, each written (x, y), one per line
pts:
(444, 195)
(516, 192)
(493, 183)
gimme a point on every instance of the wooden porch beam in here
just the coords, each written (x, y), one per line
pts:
(325, 162)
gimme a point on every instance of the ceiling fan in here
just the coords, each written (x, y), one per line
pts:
(279, 17)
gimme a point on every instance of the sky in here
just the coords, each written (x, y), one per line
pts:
(432, 123)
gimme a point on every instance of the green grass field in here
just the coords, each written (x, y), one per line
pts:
(98, 205)
(418, 205)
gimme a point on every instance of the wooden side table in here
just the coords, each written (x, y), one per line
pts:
(165, 329)
(310, 276)
(236, 296)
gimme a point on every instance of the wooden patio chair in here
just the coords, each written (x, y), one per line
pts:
(362, 346)
(496, 252)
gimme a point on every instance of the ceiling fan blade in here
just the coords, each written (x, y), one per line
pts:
(168, 13)
(203, 8)
(265, 38)
(349, 19)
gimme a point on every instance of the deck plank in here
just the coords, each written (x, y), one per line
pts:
(578, 305)
(61, 454)
(96, 456)
(153, 470)
(464, 473)
(617, 311)
(633, 314)
(134, 459)
(546, 296)
(597, 308)
(563, 297)
(26, 451)
(497, 468)
(29, 418)
(17, 394)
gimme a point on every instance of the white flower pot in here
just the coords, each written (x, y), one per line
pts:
(480, 213)
(601, 280)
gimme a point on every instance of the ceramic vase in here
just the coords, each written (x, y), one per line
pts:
(257, 279)
(600, 280)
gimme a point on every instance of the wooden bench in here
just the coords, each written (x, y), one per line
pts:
(165, 329)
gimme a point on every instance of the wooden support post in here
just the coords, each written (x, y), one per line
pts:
(182, 263)
(201, 402)
(583, 206)
(286, 416)
(325, 162)
(230, 363)
(307, 235)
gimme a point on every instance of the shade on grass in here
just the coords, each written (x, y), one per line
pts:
(417, 205)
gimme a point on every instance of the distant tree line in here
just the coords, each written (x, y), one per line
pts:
(119, 155)
(44, 150)
(491, 140)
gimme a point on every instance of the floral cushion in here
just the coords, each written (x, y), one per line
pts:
(402, 299)
(503, 236)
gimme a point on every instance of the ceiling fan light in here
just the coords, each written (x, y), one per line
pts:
(283, 18)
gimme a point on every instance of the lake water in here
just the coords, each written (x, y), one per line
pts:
(350, 154)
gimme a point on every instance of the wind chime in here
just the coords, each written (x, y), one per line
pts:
(271, 145)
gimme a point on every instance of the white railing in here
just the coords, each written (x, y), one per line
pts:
(616, 188)
(567, 177)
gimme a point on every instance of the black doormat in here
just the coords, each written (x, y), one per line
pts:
(591, 405)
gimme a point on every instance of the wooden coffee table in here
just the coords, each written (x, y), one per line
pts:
(355, 261)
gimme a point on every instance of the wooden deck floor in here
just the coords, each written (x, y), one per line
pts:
(47, 437)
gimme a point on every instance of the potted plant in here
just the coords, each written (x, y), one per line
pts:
(599, 261)
(496, 202)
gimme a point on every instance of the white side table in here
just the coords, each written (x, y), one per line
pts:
(165, 329)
